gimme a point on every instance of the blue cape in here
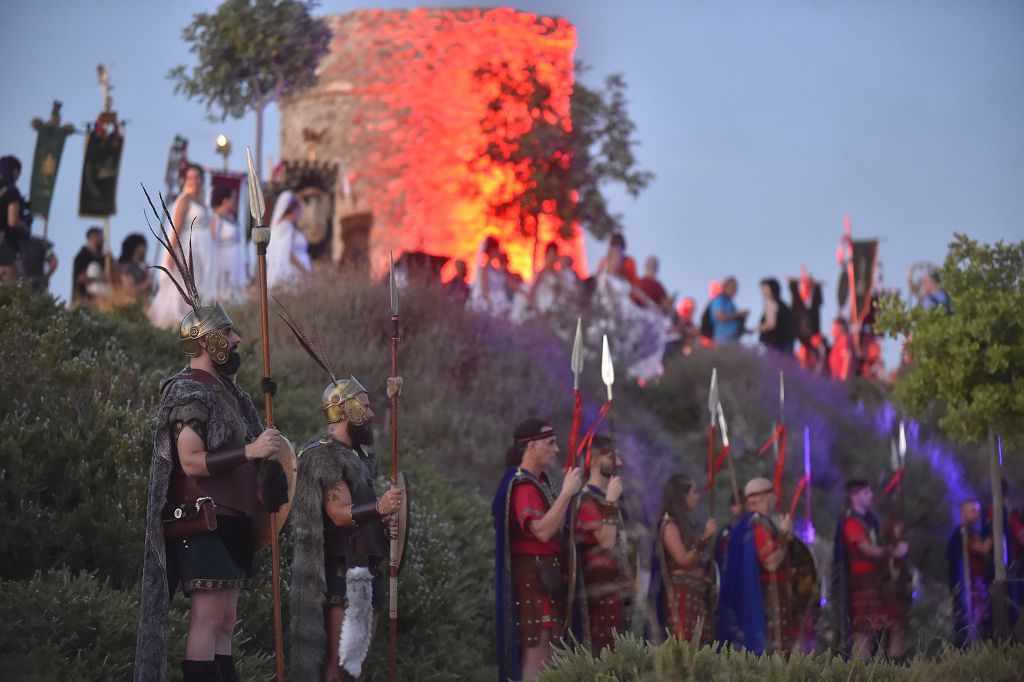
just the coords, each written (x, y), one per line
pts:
(740, 617)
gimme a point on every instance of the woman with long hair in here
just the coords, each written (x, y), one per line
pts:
(685, 567)
(288, 253)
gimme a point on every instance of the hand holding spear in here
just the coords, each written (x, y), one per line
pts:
(261, 236)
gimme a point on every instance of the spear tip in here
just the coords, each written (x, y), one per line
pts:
(607, 368)
(391, 282)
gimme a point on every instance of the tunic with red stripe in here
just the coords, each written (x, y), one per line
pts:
(534, 559)
(867, 612)
(602, 579)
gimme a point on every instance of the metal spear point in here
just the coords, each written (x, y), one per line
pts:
(782, 398)
(577, 354)
(894, 454)
(607, 369)
(723, 426)
(256, 206)
(713, 395)
(903, 443)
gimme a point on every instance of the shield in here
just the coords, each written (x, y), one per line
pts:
(805, 584)
(261, 529)
(401, 525)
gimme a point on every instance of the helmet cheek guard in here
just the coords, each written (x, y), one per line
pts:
(356, 412)
(218, 346)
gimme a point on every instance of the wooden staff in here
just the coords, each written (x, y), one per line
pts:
(261, 237)
(393, 532)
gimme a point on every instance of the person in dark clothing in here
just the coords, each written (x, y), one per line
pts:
(457, 290)
(14, 214)
(776, 328)
(38, 262)
(82, 276)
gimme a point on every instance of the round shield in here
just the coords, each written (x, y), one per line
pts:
(805, 580)
(261, 528)
(401, 527)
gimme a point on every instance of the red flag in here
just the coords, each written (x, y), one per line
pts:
(897, 478)
(574, 434)
(796, 495)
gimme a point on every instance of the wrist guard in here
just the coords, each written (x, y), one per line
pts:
(364, 512)
(221, 460)
(610, 513)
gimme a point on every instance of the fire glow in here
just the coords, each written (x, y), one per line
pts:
(402, 95)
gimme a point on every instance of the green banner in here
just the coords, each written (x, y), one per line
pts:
(98, 197)
(49, 147)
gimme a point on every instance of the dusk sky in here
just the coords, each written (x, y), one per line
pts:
(765, 123)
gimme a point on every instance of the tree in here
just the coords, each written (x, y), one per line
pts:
(560, 163)
(251, 53)
(967, 367)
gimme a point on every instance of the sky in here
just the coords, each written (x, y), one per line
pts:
(765, 123)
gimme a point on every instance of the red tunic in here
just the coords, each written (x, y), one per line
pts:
(537, 611)
(867, 611)
(528, 504)
(601, 579)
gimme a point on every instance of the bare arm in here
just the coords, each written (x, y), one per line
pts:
(771, 312)
(14, 214)
(673, 539)
(607, 535)
(546, 526)
(192, 452)
(338, 505)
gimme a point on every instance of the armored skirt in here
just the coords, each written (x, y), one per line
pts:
(218, 560)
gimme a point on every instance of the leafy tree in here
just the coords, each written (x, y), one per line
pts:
(967, 368)
(250, 53)
(560, 163)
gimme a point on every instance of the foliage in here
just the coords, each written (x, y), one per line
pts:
(968, 365)
(250, 53)
(632, 659)
(562, 163)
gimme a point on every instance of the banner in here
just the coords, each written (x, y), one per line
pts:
(98, 197)
(49, 147)
(865, 259)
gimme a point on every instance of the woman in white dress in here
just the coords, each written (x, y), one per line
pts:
(288, 253)
(192, 228)
(489, 291)
(229, 250)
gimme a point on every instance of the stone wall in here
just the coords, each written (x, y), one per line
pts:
(398, 106)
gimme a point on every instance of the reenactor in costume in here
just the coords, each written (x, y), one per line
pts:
(340, 535)
(858, 565)
(756, 605)
(684, 579)
(529, 521)
(969, 555)
(603, 577)
(210, 488)
(897, 589)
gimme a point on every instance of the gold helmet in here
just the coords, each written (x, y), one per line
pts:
(340, 399)
(209, 322)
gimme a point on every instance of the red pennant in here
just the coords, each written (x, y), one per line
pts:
(897, 478)
(589, 438)
(776, 436)
(574, 434)
(777, 480)
(796, 496)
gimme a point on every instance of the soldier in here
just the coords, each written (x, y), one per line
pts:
(211, 485)
(685, 591)
(603, 567)
(529, 521)
(340, 538)
(969, 555)
(755, 607)
(858, 564)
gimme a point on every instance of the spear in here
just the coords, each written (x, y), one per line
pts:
(608, 377)
(725, 453)
(261, 237)
(713, 411)
(577, 399)
(903, 469)
(781, 435)
(393, 559)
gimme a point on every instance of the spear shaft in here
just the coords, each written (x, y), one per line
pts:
(261, 235)
(393, 559)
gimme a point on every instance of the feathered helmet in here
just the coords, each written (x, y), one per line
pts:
(339, 398)
(203, 321)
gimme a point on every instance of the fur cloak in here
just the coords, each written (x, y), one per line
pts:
(180, 391)
(323, 463)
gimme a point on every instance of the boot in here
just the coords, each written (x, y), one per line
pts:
(228, 671)
(199, 671)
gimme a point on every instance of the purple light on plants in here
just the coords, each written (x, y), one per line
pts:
(913, 595)
(824, 601)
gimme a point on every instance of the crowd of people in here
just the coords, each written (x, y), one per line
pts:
(566, 566)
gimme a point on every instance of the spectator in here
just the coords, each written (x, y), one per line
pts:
(684, 327)
(727, 320)
(932, 294)
(135, 280)
(776, 327)
(840, 356)
(626, 264)
(38, 261)
(87, 277)
(805, 307)
(488, 292)
(288, 253)
(14, 213)
(228, 249)
(707, 324)
(457, 290)
(651, 288)
(546, 289)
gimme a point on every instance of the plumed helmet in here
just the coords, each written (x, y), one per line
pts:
(209, 322)
(340, 399)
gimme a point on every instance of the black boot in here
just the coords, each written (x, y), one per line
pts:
(228, 671)
(199, 671)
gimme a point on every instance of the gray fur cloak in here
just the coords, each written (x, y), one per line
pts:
(200, 400)
(323, 463)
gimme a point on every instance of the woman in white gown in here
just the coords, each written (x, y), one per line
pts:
(288, 253)
(229, 248)
(489, 291)
(192, 227)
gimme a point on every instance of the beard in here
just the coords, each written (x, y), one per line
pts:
(362, 434)
(607, 469)
(231, 365)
